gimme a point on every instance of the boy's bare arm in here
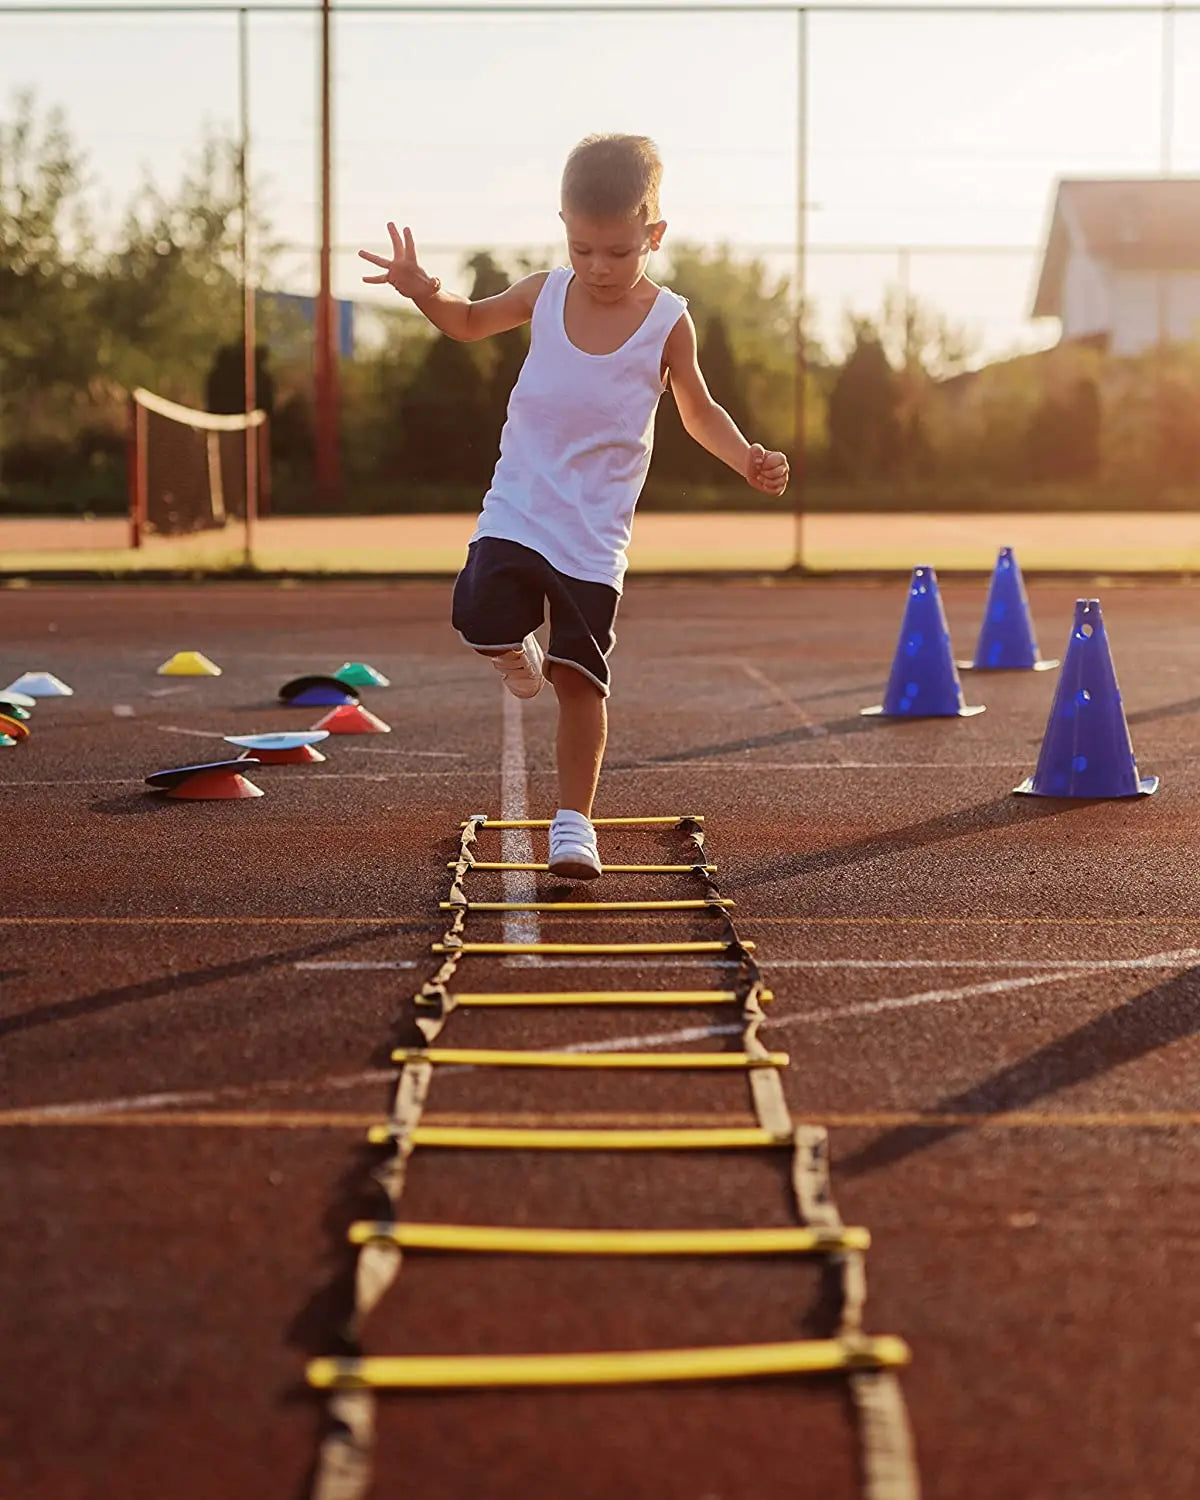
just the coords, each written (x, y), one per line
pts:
(456, 317)
(710, 424)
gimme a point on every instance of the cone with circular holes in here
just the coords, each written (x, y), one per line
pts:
(1086, 750)
(1006, 639)
(352, 718)
(924, 681)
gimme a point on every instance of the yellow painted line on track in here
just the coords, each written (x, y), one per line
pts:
(605, 997)
(553, 906)
(390, 917)
(502, 1239)
(225, 1119)
(612, 1138)
(673, 822)
(718, 947)
(58, 1116)
(479, 1057)
(231, 921)
(612, 1367)
(481, 864)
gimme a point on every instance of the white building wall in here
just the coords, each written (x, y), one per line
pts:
(1086, 301)
(1148, 305)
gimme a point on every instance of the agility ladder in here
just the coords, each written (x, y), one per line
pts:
(343, 1470)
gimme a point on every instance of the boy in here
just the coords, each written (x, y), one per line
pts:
(604, 345)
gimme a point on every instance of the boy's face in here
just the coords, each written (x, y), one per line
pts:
(609, 255)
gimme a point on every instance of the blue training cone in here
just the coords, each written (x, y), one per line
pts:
(924, 681)
(1086, 751)
(1006, 640)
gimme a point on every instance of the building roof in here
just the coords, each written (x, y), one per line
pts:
(1131, 223)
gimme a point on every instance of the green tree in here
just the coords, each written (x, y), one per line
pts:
(446, 418)
(864, 404)
(1064, 433)
(48, 339)
(745, 322)
(505, 353)
(225, 387)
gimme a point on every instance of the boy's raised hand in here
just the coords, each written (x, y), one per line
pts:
(402, 271)
(766, 471)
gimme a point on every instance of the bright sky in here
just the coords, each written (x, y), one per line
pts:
(923, 130)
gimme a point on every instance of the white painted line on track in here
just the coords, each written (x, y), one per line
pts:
(81, 1109)
(516, 844)
(1173, 960)
(345, 965)
(199, 734)
(427, 754)
(682, 1035)
(703, 764)
(774, 1023)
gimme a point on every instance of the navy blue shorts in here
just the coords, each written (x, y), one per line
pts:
(501, 596)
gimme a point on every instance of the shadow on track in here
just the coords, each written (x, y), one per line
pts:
(1001, 812)
(1170, 1012)
(1165, 711)
(797, 734)
(132, 804)
(169, 984)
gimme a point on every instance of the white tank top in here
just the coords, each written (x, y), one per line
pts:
(577, 441)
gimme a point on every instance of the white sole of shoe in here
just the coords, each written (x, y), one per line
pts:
(573, 869)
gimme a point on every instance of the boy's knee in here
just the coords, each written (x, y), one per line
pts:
(571, 682)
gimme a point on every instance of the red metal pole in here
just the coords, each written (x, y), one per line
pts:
(325, 384)
(249, 337)
(131, 468)
(138, 473)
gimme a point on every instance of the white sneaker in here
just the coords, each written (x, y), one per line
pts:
(521, 668)
(573, 851)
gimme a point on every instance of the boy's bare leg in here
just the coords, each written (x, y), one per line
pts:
(582, 734)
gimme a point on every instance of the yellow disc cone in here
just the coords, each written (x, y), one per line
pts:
(189, 664)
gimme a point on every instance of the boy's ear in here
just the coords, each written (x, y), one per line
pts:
(656, 233)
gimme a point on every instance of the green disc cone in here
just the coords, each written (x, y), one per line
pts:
(14, 711)
(359, 674)
(6, 741)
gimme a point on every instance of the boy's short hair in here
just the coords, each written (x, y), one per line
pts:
(613, 177)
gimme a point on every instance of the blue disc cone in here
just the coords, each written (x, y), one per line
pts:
(321, 697)
(1086, 751)
(924, 680)
(1006, 640)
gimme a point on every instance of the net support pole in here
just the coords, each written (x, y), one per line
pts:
(325, 364)
(799, 479)
(137, 472)
(250, 392)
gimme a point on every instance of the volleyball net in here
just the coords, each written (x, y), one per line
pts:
(193, 471)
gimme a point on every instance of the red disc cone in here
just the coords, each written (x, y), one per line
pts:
(215, 786)
(352, 718)
(299, 755)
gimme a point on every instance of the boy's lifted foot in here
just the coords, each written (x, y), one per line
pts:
(573, 851)
(521, 668)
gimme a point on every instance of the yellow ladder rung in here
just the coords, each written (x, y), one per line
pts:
(480, 864)
(586, 905)
(613, 1367)
(524, 1241)
(583, 947)
(479, 1057)
(514, 1138)
(596, 822)
(606, 997)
